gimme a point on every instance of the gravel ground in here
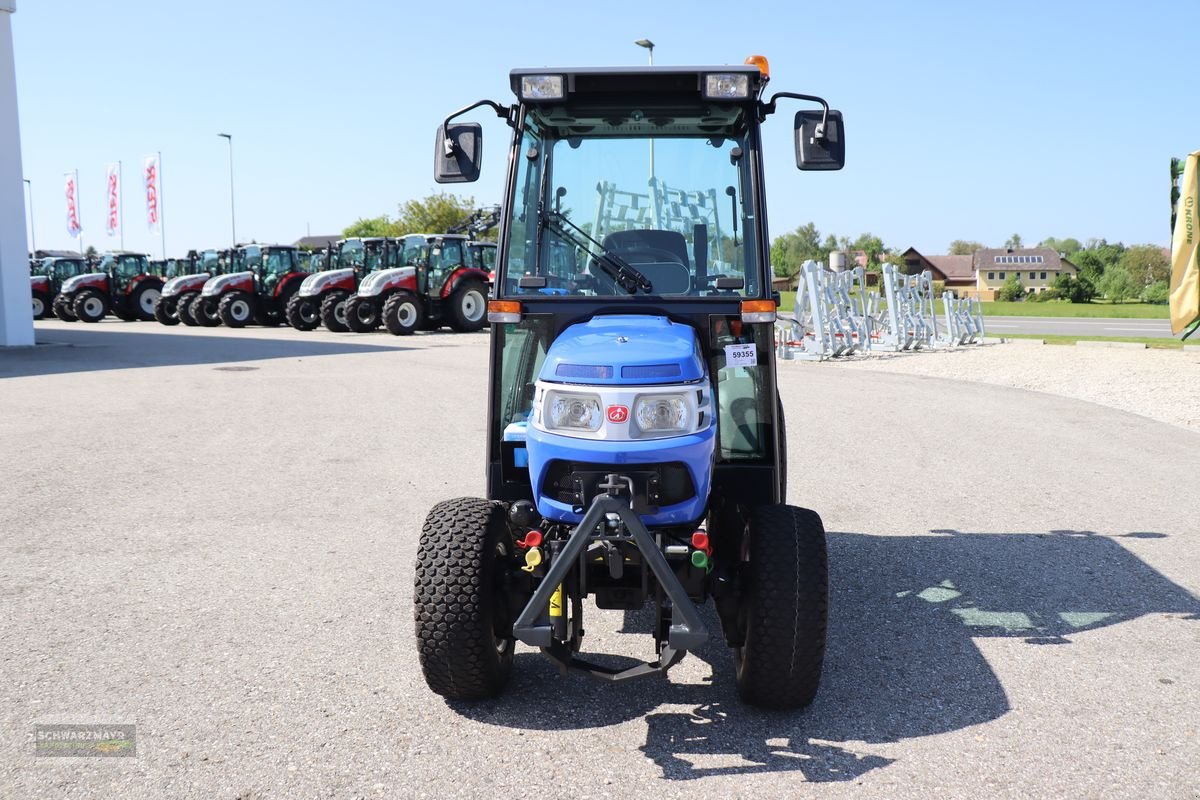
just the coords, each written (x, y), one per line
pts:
(211, 534)
(1160, 384)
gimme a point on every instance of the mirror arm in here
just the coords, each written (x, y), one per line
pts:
(768, 108)
(507, 113)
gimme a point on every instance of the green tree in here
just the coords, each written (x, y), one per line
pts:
(1063, 246)
(1118, 284)
(436, 213)
(964, 247)
(1077, 290)
(872, 245)
(1146, 263)
(1012, 289)
(370, 226)
(791, 250)
(1158, 292)
(1014, 242)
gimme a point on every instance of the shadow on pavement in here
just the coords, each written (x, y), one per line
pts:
(133, 345)
(901, 660)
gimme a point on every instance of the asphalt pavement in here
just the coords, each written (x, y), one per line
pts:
(210, 534)
(1080, 326)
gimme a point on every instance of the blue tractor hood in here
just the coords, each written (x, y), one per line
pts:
(624, 349)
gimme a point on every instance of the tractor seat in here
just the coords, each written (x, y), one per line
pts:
(662, 256)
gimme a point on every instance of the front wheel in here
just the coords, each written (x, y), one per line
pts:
(204, 311)
(362, 314)
(402, 314)
(41, 305)
(302, 313)
(62, 308)
(165, 310)
(464, 635)
(144, 299)
(90, 306)
(183, 309)
(785, 603)
(236, 309)
(468, 307)
(333, 312)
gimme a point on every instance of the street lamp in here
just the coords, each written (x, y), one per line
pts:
(32, 232)
(232, 218)
(649, 45)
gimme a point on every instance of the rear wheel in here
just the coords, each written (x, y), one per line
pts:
(143, 301)
(183, 308)
(333, 311)
(236, 309)
(204, 312)
(362, 314)
(468, 307)
(785, 602)
(90, 306)
(62, 308)
(302, 313)
(402, 314)
(165, 310)
(464, 635)
(41, 305)
(269, 317)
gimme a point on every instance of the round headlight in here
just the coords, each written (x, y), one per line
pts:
(661, 413)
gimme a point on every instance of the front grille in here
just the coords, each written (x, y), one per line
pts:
(576, 483)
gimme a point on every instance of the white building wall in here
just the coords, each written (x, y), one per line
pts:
(16, 312)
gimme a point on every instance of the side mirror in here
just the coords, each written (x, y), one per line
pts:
(817, 148)
(458, 153)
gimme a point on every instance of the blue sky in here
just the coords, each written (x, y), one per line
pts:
(964, 120)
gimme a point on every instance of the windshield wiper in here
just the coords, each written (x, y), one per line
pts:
(625, 274)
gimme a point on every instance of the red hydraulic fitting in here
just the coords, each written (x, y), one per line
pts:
(532, 539)
(700, 542)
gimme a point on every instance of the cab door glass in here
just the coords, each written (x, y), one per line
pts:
(745, 394)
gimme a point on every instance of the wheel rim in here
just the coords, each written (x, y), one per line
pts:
(473, 306)
(93, 307)
(308, 311)
(149, 299)
(339, 313)
(39, 307)
(363, 312)
(406, 314)
(239, 310)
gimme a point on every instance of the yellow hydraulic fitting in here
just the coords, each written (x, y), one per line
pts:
(533, 557)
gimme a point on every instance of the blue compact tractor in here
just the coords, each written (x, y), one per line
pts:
(636, 444)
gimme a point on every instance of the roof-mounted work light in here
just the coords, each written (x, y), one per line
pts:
(727, 86)
(542, 87)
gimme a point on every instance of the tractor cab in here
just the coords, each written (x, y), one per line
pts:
(482, 255)
(47, 276)
(636, 451)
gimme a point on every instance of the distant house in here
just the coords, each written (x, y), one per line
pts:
(316, 242)
(1035, 267)
(955, 272)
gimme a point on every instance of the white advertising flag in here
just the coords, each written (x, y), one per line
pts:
(151, 180)
(72, 190)
(112, 184)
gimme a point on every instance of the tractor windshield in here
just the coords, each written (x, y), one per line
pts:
(612, 213)
(351, 255)
(279, 262)
(67, 268)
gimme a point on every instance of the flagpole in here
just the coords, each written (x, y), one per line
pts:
(121, 203)
(78, 212)
(162, 225)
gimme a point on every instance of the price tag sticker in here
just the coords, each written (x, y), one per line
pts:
(741, 355)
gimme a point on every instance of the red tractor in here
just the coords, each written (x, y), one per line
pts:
(122, 284)
(322, 298)
(438, 285)
(47, 275)
(259, 293)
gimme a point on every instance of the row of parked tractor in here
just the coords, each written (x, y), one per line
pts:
(405, 284)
